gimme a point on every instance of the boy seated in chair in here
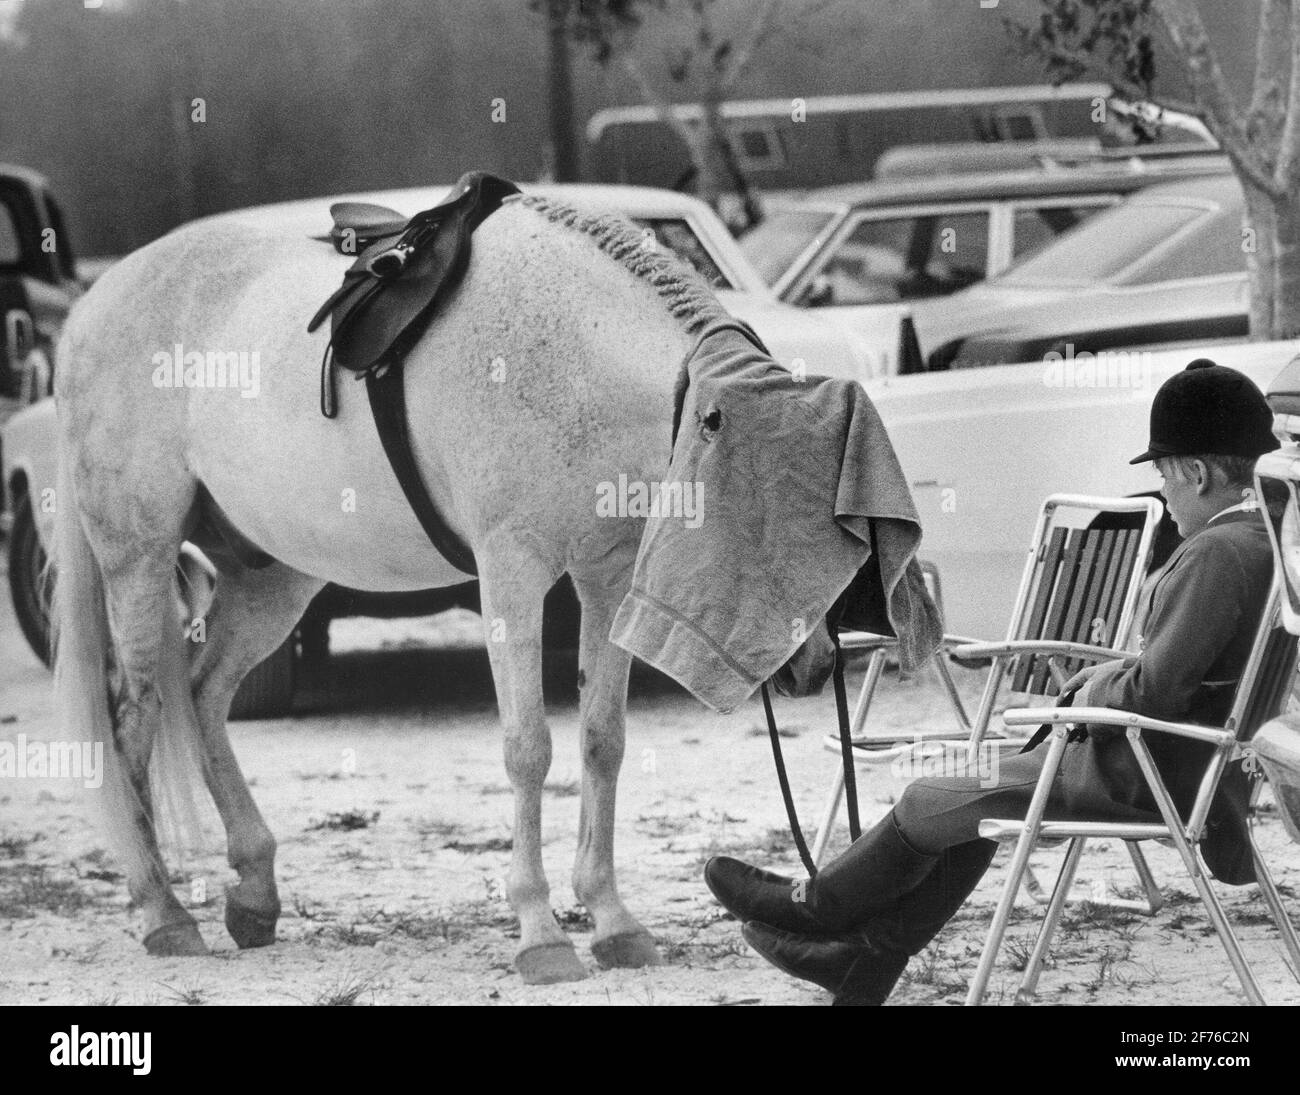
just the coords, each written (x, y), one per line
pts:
(853, 927)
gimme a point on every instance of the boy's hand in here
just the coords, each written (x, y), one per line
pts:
(1076, 683)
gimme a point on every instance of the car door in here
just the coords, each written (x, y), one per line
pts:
(1031, 223)
(894, 255)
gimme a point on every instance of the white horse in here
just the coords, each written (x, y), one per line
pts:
(548, 372)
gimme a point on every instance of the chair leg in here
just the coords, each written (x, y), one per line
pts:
(950, 686)
(1226, 935)
(1273, 899)
(1155, 899)
(1055, 907)
(1019, 861)
(1196, 868)
(984, 714)
(827, 824)
(875, 667)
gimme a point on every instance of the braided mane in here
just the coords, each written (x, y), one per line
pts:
(688, 297)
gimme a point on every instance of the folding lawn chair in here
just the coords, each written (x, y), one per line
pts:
(1076, 604)
(1265, 685)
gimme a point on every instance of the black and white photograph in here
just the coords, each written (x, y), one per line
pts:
(641, 503)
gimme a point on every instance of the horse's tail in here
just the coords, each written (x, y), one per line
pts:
(82, 638)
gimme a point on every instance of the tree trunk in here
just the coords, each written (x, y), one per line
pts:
(1286, 272)
(1259, 244)
(564, 145)
(706, 152)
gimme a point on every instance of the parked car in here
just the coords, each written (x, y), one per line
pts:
(1165, 268)
(38, 283)
(864, 255)
(982, 448)
(678, 222)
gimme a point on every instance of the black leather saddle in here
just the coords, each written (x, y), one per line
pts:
(390, 293)
(388, 298)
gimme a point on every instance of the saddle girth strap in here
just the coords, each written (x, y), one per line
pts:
(387, 393)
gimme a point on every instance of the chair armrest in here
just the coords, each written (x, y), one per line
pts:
(1086, 651)
(1109, 716)
(869, 640)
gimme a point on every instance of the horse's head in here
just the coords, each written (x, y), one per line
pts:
(809, 667)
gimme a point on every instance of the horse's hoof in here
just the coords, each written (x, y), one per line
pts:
(249, 927)
(180, 940)
(549, 964)
(627, 950)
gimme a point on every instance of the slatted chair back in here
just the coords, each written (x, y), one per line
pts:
(1081, 584)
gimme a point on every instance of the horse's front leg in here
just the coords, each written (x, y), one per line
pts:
(620, 940)
(512, 588)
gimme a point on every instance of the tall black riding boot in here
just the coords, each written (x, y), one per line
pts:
(861, 966)
(868, 878)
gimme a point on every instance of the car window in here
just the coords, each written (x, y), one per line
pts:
(11, 250)
(1036, 226)
(678, 236)
(781, 237)
(903, 258)
(67, 261)
(1216, 247)
(1102, 246)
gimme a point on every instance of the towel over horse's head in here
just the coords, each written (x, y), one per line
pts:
(857, 608)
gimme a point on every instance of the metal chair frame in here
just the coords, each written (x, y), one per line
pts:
(1034, 609)
(1263, 690)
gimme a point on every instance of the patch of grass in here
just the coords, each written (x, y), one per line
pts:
(189, 995)
(347, 991)
(477, 847)
(427, 827)
(426, 928)
(15, 847)
(31, 888)
(942, 973)
(1017, 953)
(346, 820)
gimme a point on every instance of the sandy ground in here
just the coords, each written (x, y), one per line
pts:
(401, 735)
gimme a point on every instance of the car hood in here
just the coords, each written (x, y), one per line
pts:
(798, 339)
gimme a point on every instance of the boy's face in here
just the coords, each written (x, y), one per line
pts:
(1183, 497)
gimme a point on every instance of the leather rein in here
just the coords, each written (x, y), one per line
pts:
(832, 626)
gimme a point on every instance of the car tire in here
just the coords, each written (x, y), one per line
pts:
(27, 585)
(267, 691)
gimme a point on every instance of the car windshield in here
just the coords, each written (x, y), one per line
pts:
(1103, 246)
(680, 238)
(781, 237)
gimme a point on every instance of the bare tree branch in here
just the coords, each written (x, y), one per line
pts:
(1272, 52)
(1218, 107)
(665, 109)
(1286, 173)
(763, 27)
(1086, 65)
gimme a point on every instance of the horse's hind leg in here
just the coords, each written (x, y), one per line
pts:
(139, 591)
(252, 614)
(513, 586)
(619, 940)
